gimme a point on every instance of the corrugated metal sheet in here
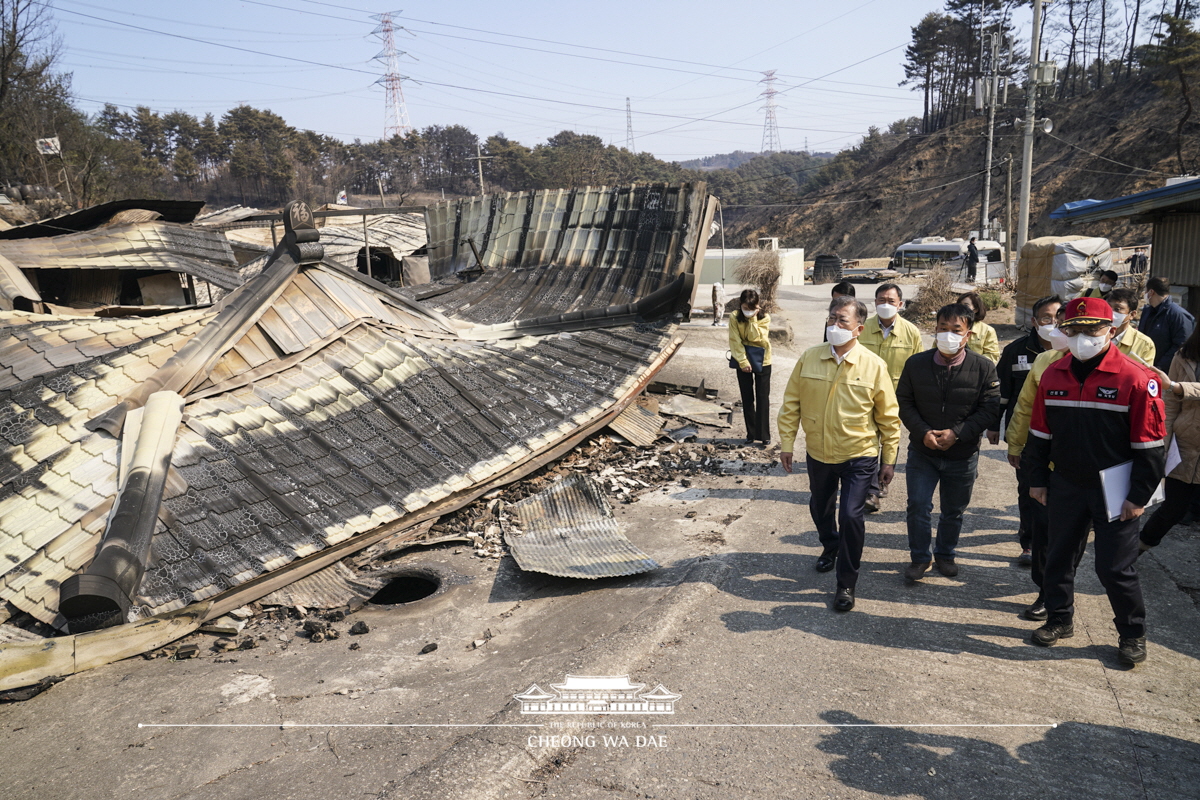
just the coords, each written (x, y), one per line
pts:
(638, 425)
(336, 585)
(569, 530)
(1177, 249)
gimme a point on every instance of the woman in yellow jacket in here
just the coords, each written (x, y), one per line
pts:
(983, 336)
(748, 327)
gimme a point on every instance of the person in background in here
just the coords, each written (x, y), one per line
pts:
(972, 263)
(983, 336)
(842, 395)
(750, 326)
(948, 397)
(1105, 283)
(1182, 397)
(1138, 261)
(718, 302)
(1129, 340)
(1167, 323)
(1095, 409)
(1015, 363)
(895, 340)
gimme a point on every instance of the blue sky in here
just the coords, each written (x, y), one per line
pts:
(527, 68)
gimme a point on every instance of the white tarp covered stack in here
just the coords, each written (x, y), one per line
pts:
(1057, 265)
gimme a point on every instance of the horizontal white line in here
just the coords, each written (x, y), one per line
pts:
(865, 725)
(328, 725)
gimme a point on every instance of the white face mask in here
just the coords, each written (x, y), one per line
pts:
(1106, 287)
(1119, 319)
(837, 336)
(1044, 331)
(1086, 347)
(886, 310)
(949, 343)
(1057, 339)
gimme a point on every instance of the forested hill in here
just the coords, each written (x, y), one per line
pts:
(1113, 141)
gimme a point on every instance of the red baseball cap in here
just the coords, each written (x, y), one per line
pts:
(1087, 311)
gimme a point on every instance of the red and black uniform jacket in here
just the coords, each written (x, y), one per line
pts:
(1115, 415)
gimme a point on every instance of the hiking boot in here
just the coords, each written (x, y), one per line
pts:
(915, 571)
(946, 565)
(1035, 612)
(844, 600)
(1131, 650)
(1051, 632)
(1026, 558)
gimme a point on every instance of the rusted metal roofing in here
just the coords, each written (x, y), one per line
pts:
(146, 246)
(638, 425)
(178, 211)
(569, 530)
(321, 409)
(397, 234)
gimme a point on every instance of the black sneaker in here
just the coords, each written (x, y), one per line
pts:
(1026, 558)
(1131, 650)
(946, 565)
(1051, 632)
(1035, 612)
(826, 562)
(844, 601)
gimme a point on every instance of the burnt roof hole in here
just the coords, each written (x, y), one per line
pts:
(407, 587)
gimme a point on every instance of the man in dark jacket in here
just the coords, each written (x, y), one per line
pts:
(948, 397)
(1015, 363)
(972, 260)
(1165, 322)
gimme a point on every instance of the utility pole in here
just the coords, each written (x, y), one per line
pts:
(987, 93)
(479, 159)
(1031, 87)
(629, 127)
(1008, 235)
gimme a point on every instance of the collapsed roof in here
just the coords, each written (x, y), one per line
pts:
(150, 464)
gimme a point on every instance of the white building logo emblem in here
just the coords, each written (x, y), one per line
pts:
(597, 694)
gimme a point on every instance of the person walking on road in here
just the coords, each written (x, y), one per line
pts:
(750, 349)
(1166, 322)
(983, 336)
(1183, 425)
(1131, 341)
(972, 260)
(1095, 409)
(895, 340)
(1015, 364)
(842, 396)
(948, 398)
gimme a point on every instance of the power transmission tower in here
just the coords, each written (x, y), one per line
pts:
(628, 127)
(770, 140)
(396, 116)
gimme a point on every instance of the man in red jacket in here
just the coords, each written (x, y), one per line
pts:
(1095, 409)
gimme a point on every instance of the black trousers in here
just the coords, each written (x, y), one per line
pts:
(1069, 511)
(756, 402)
(1180, 496)
(971, 265)
(842, 531)
(1035, 531)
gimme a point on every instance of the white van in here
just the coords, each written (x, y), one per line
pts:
(929, 251)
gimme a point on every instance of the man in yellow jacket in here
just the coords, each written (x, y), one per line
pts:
(895, 340)
(843, 397)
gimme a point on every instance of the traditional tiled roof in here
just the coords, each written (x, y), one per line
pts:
(317, 405)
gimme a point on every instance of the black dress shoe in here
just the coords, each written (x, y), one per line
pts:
(843, 600)
(1051, 632)
(1131, 650)
(1035, 612)
(826, 562)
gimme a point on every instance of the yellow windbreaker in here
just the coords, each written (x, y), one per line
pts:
(754, 332)
(985, 341)
(845, 408)
(1138, 346)
(901, 344)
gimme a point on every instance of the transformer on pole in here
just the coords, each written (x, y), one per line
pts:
(396, 116)
(770, 141)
